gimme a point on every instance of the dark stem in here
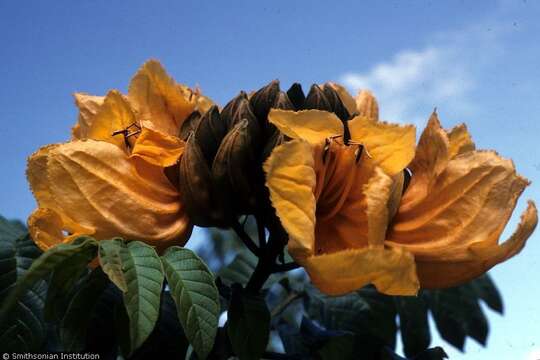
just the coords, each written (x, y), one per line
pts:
(285, 267)
(261, 232)
(267, 261)
(246, 239)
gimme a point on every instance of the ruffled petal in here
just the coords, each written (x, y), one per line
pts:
(94, 184)
(160, 102)
(454, 206)
(392, 271)
(312, 126)
(460, 141)
(442, 274)
(157, 148)
(48, 228)
(290, 177)
(391, 145)
(366, 105)
(470, 202)
(113, 115)
(88, 107)
(431, 158)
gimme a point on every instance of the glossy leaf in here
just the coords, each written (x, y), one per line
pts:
(196, 297)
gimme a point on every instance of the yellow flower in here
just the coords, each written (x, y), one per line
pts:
(109, 180)
(339, 201)
(455, 208)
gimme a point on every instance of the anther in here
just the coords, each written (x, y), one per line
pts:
(129, 131)
(358, 153)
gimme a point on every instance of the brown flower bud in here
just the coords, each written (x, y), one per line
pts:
(228, 112)
(233, 168)
(336, 104)
(189, 125)
(263, 100)
(196, 187)
(283, 102)
(316, 99)
(296, 95)
(211, 130)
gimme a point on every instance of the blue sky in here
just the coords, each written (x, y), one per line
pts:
(476, 62)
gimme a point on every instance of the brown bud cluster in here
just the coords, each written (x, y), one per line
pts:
(220, 173)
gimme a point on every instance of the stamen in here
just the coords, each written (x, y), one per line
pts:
(129, 131)
(358, 153)
(326, 149)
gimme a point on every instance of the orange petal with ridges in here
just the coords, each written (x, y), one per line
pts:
(392, 271)
(48, 228)
(441, 274)
(290, 177)
(94, 184)
(157, 148)
(160, 102)
(313, 126)
(391, 145)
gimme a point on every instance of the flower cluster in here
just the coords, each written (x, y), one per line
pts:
(359, 200)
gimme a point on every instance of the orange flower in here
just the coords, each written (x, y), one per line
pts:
(109, 179)
(455, 208)
(340, 201)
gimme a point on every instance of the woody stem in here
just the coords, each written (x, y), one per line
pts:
(267, 259)
(246, 239)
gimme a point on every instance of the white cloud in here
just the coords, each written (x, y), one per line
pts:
(442, 74)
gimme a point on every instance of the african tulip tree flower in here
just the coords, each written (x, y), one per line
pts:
(337, 188)
(110, 180)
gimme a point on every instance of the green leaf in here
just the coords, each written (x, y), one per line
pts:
(457, 314)
(23, 329)
(413, 324)
(111, 261)
(240, 269)
(363, 312)
(62, 283)
(487, 291)
(47, 262)
(74, 325)
(436, 353)
(196, 297)
(168, 340)
(136, 265)
(248, 324)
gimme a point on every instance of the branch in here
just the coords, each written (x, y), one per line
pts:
(261, 232)
(246, 239)
(285, 267)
